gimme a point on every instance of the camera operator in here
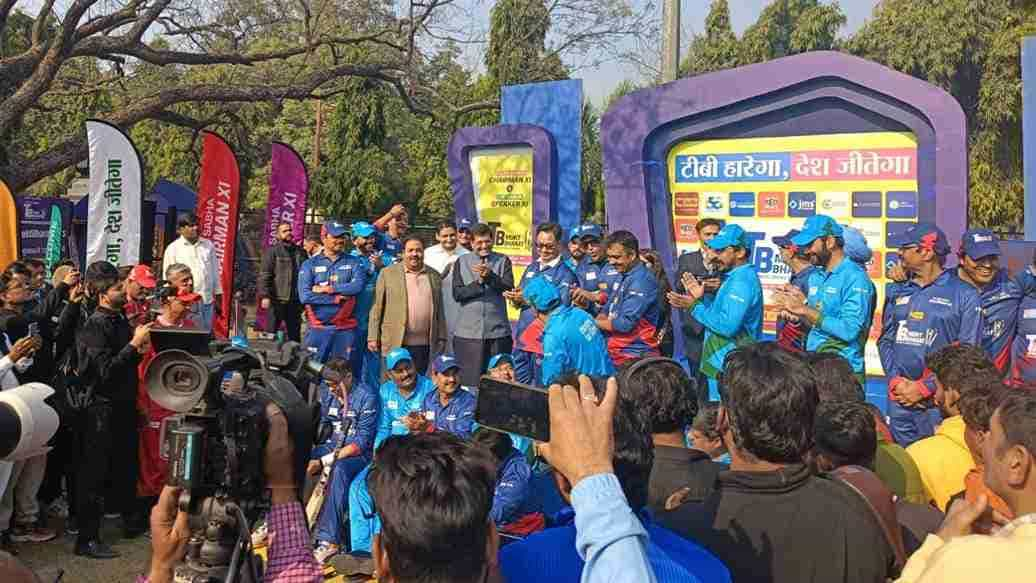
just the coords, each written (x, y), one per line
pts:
(289, 558)
(107, 355)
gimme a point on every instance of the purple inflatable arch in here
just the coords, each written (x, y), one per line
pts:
(808, 94)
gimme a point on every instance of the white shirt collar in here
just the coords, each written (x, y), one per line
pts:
(552, 264)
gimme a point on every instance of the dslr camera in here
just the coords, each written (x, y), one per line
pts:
(215, 442)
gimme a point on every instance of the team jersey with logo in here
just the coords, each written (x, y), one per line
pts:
(394, 407)
(356, 420)
(733, 318)
(1023, 347)
(1000, 300)
(572, 342)
(919, 320)
(635, 315)
(347, 275)
(845, 298)
(457, 416)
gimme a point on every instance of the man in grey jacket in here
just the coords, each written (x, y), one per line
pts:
(482, 329)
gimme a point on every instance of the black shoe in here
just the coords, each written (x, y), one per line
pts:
(96, 549)
(71, 527)
(7, 545)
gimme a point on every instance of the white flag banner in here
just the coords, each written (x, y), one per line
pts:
(114, 220)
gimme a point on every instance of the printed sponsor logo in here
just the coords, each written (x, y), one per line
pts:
(908, 337)
(867, 204)
(802, 204)
(771, 204)
(940, 301)
(742, 204)
(686, 204)
(714, 204)
(834, 204)
(901, 204)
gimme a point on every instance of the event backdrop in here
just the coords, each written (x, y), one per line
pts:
(114, 218)
(219, 188)
(502, 184)
(8, 226)
(770, 185)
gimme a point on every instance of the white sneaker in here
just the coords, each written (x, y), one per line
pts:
(324, 551)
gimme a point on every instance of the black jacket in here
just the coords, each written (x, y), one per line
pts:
(675, 468)
(787, 526)
(279, 273)
(105, 358)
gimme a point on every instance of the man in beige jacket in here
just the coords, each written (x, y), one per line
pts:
(407, 308)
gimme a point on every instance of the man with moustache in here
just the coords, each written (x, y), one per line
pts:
(407, 308)
(841, 300)
(734, 316)
(278, 288)
(449, 407)
(930, 310)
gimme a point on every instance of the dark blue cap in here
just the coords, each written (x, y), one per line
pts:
(444, 363)
(979, 243)
(785, 240)
(925, 235)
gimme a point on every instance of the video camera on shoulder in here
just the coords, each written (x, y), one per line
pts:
(216, 441)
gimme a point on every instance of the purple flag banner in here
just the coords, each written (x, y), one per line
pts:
(289, 186)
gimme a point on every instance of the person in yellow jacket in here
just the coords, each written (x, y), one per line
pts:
(943, 459)
(953, 554)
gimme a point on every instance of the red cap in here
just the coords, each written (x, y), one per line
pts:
(143, 275)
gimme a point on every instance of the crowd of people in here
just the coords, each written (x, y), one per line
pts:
(683, 446)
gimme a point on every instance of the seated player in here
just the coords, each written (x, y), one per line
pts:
(351, 408)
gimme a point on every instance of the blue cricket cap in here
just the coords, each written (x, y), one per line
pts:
(444, 363)
(856, 246)
(465, 224)
(541, 294)
(362, 229)
(396, 356)
(979, 243)
(500, 358)
(816, 227)
(730, 235)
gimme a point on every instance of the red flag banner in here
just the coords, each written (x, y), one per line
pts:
(219, 189)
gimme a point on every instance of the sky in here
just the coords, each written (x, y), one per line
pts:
(599, 82)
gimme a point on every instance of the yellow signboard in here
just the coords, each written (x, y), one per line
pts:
(502, 180)
(769, 186)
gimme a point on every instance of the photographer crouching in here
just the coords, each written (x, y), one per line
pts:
(290, 557)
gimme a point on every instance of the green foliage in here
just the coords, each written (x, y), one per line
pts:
(593, 166)
(517, 44)
(972, 50)
(359, 174)
(785, 27)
